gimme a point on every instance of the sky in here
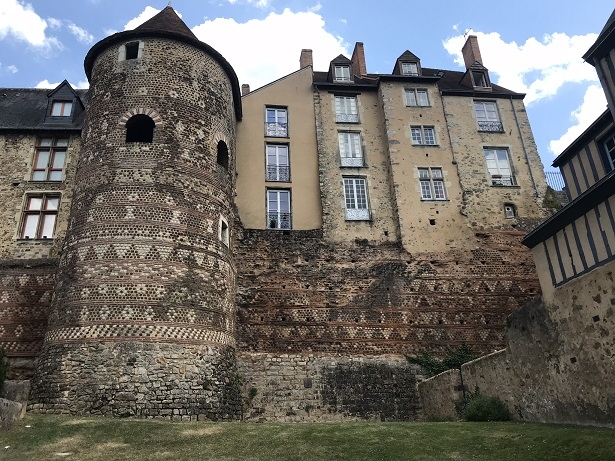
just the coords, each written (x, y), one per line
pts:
(529, 46)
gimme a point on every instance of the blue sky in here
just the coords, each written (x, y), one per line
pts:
(533, 47)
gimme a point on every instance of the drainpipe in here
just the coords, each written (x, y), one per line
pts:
(512, 105)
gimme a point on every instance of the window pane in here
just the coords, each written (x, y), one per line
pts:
(56, 109)
(49, 221)
(68, 106)
(55, 175)
(58, 160)
(425, 190)
(422, 98)
(438, 187)
(417, 137)
(42, 160)
(430, 137)
(30, 225)
(34, 203)
(411, 97)
(63, 142)
(45, 142)
(423, 173)
(38, 176)
(51, 203)
(436, 173)
(284, 201)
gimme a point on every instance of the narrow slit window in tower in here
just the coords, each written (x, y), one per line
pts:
(140, 128)
(222, 157)
(132, 50)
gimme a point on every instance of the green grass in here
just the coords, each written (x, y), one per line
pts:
(49, 437)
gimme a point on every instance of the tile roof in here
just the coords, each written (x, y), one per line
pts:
(167, 21)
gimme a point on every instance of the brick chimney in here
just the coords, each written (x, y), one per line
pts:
(471, 51)
(245, 89)
(305, 59)
(359, 67)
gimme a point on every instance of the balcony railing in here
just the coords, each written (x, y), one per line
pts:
(347, 118)
(276, 129)
(555, 180)
(501, 180)
(278, 220)
(352, 161)
(278, 173)
(495, 127)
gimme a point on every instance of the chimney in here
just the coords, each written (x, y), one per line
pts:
(358, 60)
(245, 89)
(471, 51)
(305, 59)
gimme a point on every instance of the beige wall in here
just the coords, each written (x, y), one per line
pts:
(17, 153)
(484, 203)
(294, 92)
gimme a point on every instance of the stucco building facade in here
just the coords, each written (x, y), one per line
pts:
(176, 245)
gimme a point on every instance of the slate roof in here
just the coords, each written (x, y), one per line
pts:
(24, 109)
(604, 42)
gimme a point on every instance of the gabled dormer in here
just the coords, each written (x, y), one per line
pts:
(63, 105)
(407, 64)
(340, 70)
(477, 77)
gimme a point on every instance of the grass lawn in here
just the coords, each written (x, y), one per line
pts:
(50, 437)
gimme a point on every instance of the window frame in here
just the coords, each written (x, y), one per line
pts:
(487, 123)
(341, 77)
(483, 79)
(415, 94)
(224, 232)
(404, 64)
(42, 212)
(346, 109)
(608, 153)
(356, 207)
(52, 149)
(356, 158)
(123, 51)
(422, 129)
(427, 183)
(277, 172)
(500, 179)
(63, 104)
(281, 219)
(275, 128)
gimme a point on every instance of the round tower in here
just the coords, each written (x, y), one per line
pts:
(142, 321)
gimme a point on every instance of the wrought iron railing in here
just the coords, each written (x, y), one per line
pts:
(276, 129)
(278, 173)
(495, 127)
(555, 180)
(502, 180)
(278, 220)
(347, 118)
(357, 214)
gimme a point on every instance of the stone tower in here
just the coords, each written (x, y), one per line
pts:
(143, 319)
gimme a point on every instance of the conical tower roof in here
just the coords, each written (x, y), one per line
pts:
(166, 24)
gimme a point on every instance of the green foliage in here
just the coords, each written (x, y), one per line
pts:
(485, 408)
(551, 200)
(453, 359)
(4, 366)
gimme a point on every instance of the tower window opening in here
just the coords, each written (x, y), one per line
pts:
(132, 50)
(222, 157)
(140, 128)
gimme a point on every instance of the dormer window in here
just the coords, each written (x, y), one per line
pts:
(409, 68)
(342, 73)
(130, 51)
(480, 79)
(61, 108)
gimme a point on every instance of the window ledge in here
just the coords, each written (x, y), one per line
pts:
(47, 240)
(425, 145)
(431, 200)
(503, 186)
(419, 107)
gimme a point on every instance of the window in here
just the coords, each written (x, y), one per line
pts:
(140, 128)
(49, 159)
(424, 135)
(342, 73)
(223, 231)
(276, 122)
(61, 108)
(480, 79)
(498, 166)
(222, 159)
(277, 163)
(355, 196)
(132, 50)
(609, 147)
(346, 109)
(487, 116)
(509, 210)
(416, 97)
(278, 209)
(39, 216)
(432, 184)
(409, 68)
(351, 153)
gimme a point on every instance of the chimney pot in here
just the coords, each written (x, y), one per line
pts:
(305, 59)
(359, 67)
(471, 51)
(245, 89)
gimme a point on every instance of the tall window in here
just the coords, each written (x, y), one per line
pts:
(609, 147)
(409, 68)
(342, 73)
(276, 122)
(132, 50)
(222, 156)
(277, 163)
(351, 153)
(39, 216)
(140, 128)
(424, 135)
(278, 209)
(480, 79)
(487, 116)
(432, 184)
(416, 97)
(499, 167)
(346, 109)
(49, 159)
(355, 196)
(61, 108)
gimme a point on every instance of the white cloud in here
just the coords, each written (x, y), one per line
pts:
(19, 20)
(594, 103)
(258, 57)
(54, 23)
(47, 84)
(537, 67)
(344, 21)
(12, 69)
(258, 3)
(81, 34)
(148, 13)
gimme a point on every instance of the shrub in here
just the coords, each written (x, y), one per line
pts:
(453, 359)
(485, 408)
